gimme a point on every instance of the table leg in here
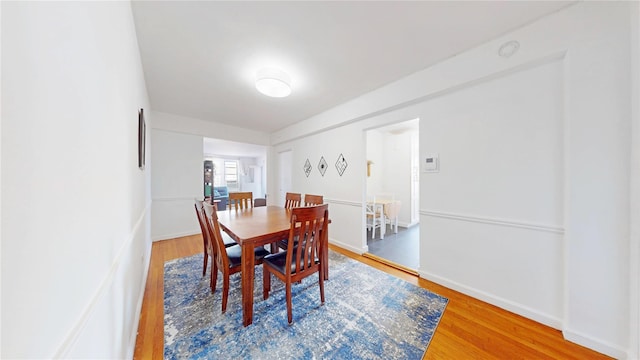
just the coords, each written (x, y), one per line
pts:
(248, 259)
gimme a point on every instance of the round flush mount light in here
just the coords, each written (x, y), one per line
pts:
(509, 48)
(273, 82)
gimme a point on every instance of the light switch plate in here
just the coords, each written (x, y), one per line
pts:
(431, 163)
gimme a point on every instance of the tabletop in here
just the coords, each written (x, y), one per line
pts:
(255, 224)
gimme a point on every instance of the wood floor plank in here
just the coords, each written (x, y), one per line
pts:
(469, 329)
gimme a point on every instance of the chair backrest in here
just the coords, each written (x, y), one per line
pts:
(310, 200)
(309, 226)
(241, 200)
(292, 200)
(199, 205)
(213, 227)
(392, 209)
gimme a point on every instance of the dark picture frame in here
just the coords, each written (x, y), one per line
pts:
(142, 130)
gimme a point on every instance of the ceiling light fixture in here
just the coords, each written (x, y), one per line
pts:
(273, 82)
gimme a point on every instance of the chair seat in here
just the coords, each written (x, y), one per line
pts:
(227, 240)
(284, 243)
(279, 262)
(235, 254)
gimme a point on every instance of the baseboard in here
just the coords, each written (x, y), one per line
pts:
(175, 235)
(514, 307)
(351, 248)
(595, 344)
(136, 321)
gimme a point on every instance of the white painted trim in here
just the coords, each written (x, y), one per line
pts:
(494, 221)
(175, 235)
(352, 248)
(343, 202)
(594, 344)
(75, 331)
(517, 308)
(173, 199)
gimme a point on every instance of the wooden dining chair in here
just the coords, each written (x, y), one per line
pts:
(241, 200)
(305, 259)
(208, 250)
(228, 259)
(292, 200)
(311, 200)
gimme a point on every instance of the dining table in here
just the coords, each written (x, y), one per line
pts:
(254, 227)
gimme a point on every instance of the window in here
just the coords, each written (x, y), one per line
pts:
(231, 174)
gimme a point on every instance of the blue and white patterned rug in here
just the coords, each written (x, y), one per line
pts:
(367, 314)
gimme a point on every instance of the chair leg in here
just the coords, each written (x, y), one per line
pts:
(289, 311)
(266, 283)
(214, 276)
(225, 293)
(321, 283)
(206, 260)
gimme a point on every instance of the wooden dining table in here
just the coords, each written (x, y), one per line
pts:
(250, 228)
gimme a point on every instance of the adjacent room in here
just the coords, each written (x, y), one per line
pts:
(320, 179)
(393, 194)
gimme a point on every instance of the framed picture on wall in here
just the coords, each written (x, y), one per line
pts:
(142, 129)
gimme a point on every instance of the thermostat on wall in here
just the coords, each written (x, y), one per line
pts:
(431, 163)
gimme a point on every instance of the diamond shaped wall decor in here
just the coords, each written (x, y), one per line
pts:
(322, 166)
(307, 167)
(341, 164)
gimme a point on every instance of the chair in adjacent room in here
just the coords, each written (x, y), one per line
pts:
(391, 212)
(375, 217)
(311, 200)
(292, 200)
(241, 200)
(228, 259)
(303, 259)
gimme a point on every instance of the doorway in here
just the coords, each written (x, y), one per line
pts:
(392, 186)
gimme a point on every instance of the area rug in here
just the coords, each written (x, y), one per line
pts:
(367, 314)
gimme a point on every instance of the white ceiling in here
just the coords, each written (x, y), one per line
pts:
(200, 57)
(224, 148)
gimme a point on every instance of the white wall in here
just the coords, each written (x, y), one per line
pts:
(533, 213)
(176, 180)
(391, 170)
(75, 234)
(177, 156)
(634, 249)
(374, 140)
(397, 172)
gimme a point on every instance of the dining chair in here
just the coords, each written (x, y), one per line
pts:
(311, 200)
(375, 217)
(228, 259)
(391, 212)
(292, 200)
(303, 260)
(241, 200)
(208, 250)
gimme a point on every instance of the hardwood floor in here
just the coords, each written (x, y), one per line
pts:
(469, 329)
